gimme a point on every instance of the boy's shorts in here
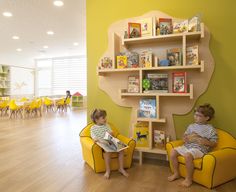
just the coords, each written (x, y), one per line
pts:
(196, 153)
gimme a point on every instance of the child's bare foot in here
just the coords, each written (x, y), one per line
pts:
(123, 172)
(186, 183)
(173, 177)
(107, 175)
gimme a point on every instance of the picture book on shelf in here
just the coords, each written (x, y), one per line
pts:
(145, 59)
(194, 24)
(105, 63)
(158, 82)
(146, 26)
(111, 144)
(133, 84)
(133, 59)
(121, 62)
(174, 56)
(192, 55)
(141, 134)
(180, 27)
(134, 30)
(165, 25)
(147, 108)
(159, 138)
(179, 83)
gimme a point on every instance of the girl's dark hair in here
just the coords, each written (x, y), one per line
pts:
(97, 113)
(207, 110)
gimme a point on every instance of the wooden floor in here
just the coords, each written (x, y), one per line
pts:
(44, 155)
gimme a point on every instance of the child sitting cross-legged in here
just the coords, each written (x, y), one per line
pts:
(97, 132)
(199, 138)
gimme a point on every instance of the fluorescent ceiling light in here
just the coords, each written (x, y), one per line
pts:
(15, 37)
(7, 14)
(45, 47)
(75, 44)
(50, 33)
(19, 49)
(58, 3)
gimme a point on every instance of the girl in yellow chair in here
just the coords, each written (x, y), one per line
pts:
(199, 138)
(98, 131)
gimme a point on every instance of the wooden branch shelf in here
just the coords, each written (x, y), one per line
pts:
(102, 72)
(162, 120)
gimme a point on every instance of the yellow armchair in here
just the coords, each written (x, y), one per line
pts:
(93, 154)
(214, 168)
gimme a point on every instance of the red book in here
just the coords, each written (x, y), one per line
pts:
(179, 84)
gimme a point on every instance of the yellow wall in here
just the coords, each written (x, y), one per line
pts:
(216, 14)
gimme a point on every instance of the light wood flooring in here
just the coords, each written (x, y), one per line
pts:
(44, 155)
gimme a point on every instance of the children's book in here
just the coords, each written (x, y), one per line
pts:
(133, 59)
(165, 25)
(192, 55)
(180, 27)
(159, 138)
(133, 84)
(174, 56)
(179, 82)
(147, 108)
(134, 30)
(146, 26)
(122, 62)
(105, 63)
(194, 24)
(146, 59)
(141, 134)
(158, 81)
(111, 144)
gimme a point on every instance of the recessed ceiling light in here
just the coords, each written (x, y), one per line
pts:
(75, 44)
(15, 37)
(50, 33)
(7, 14)
(58, 3)
(45, 47)
(19, 49)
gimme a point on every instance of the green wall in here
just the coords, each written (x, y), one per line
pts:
(217, 15)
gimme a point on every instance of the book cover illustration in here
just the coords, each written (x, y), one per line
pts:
(179, 82)
(134, 30)
(121, 62)
(133, 59)
(165, 25)
(194, 24)
(192, 55)
(106, 63)
(174, 56)
(133, 84)
(146, 26)
(180, 27)
(147, 108)
(141, 134)
(159, 138)
(146, 59)
(158, 82)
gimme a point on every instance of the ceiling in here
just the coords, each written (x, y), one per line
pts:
(31, 20)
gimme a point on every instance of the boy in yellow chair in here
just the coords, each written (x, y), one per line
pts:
(199, 138)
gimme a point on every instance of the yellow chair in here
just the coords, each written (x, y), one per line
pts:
(214, 168)
(14, 108)
(60, 104)
(4, 106)
(93, 154)
(48, 103)
(67, 103)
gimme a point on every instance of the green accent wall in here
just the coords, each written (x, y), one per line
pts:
(218, 16)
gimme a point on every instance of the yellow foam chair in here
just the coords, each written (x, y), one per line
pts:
(93, 154)
(214, 168)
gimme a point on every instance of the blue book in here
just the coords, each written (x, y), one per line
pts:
(147, 108)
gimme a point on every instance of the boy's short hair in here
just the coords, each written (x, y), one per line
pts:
(207, 110)
(97, 113)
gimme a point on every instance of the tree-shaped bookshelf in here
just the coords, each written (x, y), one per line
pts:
(115, 81)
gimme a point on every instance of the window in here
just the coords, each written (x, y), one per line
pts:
(56, 75)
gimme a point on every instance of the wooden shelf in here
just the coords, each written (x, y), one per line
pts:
(151, 150)
(163, 120)
(185, 67)
(164, 38)
(124, 93)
